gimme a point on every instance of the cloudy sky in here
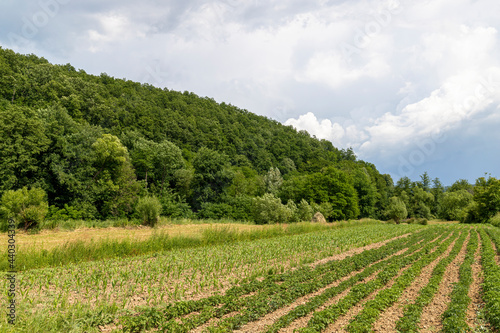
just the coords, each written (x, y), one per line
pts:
(411, 86)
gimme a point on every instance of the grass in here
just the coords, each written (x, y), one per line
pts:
(60, 248)
(78, 297)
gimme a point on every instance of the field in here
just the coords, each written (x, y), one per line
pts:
(353, 277)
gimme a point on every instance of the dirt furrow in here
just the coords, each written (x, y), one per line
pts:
(388, 319)
(302, 322)
(340, 323)
(431, 320)
(270, 318)
(475, 287)
(350, 253)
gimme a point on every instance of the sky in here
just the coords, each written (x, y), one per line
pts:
(411, 86)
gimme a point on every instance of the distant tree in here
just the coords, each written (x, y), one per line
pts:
(23, 144)
(149, 209)
(396, 210)
(403, 184)
(437, 191)
(211, 176)
(454, 205)
(273, 181)
(420, 203)
(28, 208)
(425, 182)
(461, 184)
(486, 199)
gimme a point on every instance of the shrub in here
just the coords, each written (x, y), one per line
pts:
(65, 213)
(396, 209)
(149, 208)
(304, 211)
(269, 209)
(27, 207)
(495, 220)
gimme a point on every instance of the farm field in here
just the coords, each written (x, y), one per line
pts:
(360, 278)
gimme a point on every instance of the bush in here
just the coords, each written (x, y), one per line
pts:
(65, 213)
(304, 211)
(269, 209)
(148, 208)
(27, 207)
(396, 210)
(495, 220)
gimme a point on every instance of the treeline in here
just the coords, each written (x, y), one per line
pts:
(79, 146)
(462, 201)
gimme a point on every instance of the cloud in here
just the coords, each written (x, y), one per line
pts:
(377, 75)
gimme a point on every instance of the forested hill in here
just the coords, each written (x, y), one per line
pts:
(96, 144)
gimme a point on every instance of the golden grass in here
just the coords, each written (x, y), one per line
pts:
(49, 239)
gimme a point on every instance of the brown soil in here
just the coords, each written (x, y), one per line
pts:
(340, 324)
(302, 322)
(358, 250)
(388, 319)
(270, 318)
(475, 287)
(432, 313)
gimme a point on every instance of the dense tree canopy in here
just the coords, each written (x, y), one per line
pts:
(96, 145)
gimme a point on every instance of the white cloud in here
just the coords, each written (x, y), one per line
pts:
(339, 69)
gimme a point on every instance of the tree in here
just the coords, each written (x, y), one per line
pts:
(114, 182)
(23, 143)
(273, 180)
(331, 186)
(438, 192)
(487, 200)
(396, 210)
(149, 209)
(461, 184)
(269, 210)
(27, 207)
(211, 176)
(421, 203)
(425, 182)
(454, 205)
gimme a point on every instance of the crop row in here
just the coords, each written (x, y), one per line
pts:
(268, 295)
(455, 316)
(413, 263)
(372, 309)
(53, 299)
(491, 286)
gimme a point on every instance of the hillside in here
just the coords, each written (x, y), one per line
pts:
(96, 144)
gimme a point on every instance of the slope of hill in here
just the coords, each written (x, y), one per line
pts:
(96, 144)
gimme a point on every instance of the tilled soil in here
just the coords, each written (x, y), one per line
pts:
(432, 313)
(388, 319)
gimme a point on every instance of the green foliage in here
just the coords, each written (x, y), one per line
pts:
(211, 176)
(65, 213)
(273, 181)
(27, 207)
(487, 200)
(330, 186)
(269, 210)
(304, 211)
(149, 209)
(454, 205)
(23, 143)
(495, 220)
(396, 209)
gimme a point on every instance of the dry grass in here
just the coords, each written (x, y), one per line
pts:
(49, 239)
